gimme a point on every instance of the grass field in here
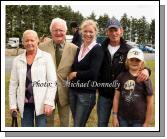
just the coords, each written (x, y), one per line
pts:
(92, 121)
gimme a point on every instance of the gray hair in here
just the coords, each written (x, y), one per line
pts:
(58, 20)
(30, 31)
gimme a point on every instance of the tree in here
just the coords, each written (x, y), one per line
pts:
(134, 30)
(102, 22)
(152, 32)
(46, 16)
(92, 16)
(22, 17)
(125, 22)
(142, 30)
(11, 12)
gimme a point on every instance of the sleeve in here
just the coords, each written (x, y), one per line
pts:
(76, 56)
(118, 80)
(149, 70)
(95, 63)
(52, 79)
(149, 89)
(13, 86)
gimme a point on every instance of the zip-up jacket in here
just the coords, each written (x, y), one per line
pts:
(110, 69)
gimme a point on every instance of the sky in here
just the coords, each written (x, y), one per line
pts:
(117, 10)
(136, 9)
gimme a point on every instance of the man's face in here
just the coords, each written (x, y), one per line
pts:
(58, 33)
(115, 34)
(30, 42)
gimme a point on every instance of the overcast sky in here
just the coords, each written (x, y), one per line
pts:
(136, 11)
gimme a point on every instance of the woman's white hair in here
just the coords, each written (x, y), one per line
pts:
(30, 31)
(58, 20)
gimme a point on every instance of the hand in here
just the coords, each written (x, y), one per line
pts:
(72, 75)
(48, 110)
(115, 121)
(143, 75)
(12, 110)
(145, 125)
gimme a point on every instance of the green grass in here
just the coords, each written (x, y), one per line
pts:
(151, 65)
(92, 121)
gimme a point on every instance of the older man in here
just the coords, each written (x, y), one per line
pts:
(63, 54)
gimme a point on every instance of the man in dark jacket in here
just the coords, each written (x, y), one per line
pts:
(77, 38)
(115, 52)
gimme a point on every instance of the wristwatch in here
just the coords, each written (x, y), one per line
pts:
(114, 113)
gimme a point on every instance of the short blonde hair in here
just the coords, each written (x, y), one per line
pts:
(30, 31)
(89, 22)
(58, 20)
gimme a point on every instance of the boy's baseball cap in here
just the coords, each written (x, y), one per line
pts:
(113, 23)
(135, 53)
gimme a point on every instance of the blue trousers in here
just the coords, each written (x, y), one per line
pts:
(104, 106)
(129, 123)
(81, 105)
(28, 117)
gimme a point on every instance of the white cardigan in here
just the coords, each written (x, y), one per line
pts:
(42, 71)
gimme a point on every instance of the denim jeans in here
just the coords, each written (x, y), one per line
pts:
(129, 123)
(28, 117)
(81, 105)
(104, 106)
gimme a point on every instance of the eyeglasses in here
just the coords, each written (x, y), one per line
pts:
(58, 30)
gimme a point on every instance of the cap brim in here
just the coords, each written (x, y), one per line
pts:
(141, 59)
(113, 26)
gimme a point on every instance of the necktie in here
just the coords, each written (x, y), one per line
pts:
(59, 51)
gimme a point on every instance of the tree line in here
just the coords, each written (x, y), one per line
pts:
(38, 17)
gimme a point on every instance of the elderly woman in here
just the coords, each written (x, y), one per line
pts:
(33, 83)
(85, 69)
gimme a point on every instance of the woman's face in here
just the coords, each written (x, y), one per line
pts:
(88, 34)
(30, 42)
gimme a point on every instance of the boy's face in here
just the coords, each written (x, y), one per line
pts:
(135, 64)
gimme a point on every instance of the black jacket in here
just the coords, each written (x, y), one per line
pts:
(111, 69)
(87, 70)
(77, 39)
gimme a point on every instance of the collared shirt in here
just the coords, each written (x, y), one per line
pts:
(84, 50)
(61, 46)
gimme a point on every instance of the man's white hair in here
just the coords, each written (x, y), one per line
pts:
(58, 20)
